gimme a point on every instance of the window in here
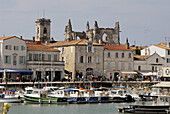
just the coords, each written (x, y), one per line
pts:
(30, 56)
(40, 58)
(55, 58)
(117, 55)
(35, 57)
(139, 67)
(49, 57)
(168, 52)
(81, 59)
(66, 59)
(45, 31)
(14, 60)
(130, 55)
(157, 60)
(122, 66)
(123, 55)
(62, 50)
(62, 58)
(116, 65)
(108, 54)
(89, 49)
(152, 68)
(168, 60)
(7, 59)
(89, 59)
(22, 48)
(43, 57)
(22, 59)
(8, 47)
(97, 59)
(129, 66)
(108, 65)
(16, 47)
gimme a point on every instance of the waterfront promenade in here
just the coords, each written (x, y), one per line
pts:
(86, 84)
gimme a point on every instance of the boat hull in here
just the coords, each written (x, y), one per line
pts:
(38, 100)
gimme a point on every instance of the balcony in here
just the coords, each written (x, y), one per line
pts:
(54, 63)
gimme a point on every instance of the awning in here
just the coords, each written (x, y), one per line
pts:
(149, 73)
(16, 71)
(128, 72)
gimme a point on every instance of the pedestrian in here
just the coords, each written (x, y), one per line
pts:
(83, 77)
(47, 78)
(78, 77)
(92, 77)
(110, 76)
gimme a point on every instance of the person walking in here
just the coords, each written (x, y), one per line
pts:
(47, 78)
(110, 76)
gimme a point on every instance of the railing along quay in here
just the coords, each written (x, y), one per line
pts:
(86, 84)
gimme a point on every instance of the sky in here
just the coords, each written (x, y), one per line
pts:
(143, 22)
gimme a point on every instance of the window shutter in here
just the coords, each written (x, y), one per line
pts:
(4, 59)
(19, 59)
(24, 60)
(10, 47)
(10, 59)
(91, 59)
(87, 59)
(84, 61)
(17, 47)
(78, 59)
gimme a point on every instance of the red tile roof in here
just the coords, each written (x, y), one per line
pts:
(5, 38)
(73, 42)
(39, 46)
(116, 47)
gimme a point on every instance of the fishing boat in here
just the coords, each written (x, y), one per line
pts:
(121, 95)
(159, 106)
(9, 96)
(40, 96)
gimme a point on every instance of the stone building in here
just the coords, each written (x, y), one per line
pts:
(82, 56)
(148, 64)
(43, 30)
(13, 51)
(118, 60)
(95, 35)
(162, 49)
(44, 61)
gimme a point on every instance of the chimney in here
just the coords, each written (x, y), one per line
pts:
(52, 39)
(21, 37)
(100, 41)
(127, 44)
(33, 39)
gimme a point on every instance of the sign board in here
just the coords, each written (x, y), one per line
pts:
(166, 72)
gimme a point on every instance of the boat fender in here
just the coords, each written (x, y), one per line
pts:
(49, 101)
(39, 100)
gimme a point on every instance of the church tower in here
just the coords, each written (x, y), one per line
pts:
(43, 30)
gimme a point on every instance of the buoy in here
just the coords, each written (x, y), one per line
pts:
(6, 108)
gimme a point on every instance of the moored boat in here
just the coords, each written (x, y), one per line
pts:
(39, 96)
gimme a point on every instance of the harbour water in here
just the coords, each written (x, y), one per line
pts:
(100, 108)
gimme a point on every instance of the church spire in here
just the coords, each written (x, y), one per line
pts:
(87, 26)
(69, 25)
(96, 25)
